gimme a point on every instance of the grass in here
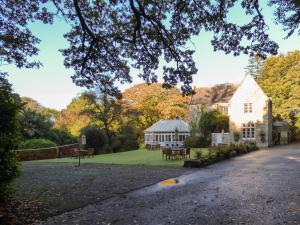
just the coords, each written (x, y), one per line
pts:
(136, 157)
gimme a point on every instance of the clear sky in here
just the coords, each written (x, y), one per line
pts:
(52, 86)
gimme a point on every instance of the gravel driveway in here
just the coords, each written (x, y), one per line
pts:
(62, 187)
(258, 188)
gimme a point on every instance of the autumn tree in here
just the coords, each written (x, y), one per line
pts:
(145, 104)
(280, 79)
(33, 105)
(72, 118)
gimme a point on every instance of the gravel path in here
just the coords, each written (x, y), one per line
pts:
(62, 187)
(261, 187)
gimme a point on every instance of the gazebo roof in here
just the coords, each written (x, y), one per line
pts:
(169, 126)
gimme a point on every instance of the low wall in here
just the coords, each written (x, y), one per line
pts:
(66, 150)
(45, 153)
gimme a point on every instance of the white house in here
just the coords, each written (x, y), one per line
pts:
(248, 107)
(167, 133)
(250, 113)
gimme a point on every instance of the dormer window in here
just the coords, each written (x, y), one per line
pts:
(247, 107)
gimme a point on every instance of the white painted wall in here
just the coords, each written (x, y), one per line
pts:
(250, 92)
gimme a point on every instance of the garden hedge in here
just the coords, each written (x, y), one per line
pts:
(218, 154)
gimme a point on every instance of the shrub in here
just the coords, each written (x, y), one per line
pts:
(227, 151)
(9, 169)
(61, 136)
(95, 138)
(10, 107)
(200, 154)
(126, 140)
(37, 143)
(196, 142)
(240, 148)
(252, 146)
(190, 142)
(217, 153)
(209, 156)
(236, 136)
(232, 153)
(212, 155)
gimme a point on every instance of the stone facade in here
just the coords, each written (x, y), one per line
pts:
(249, 111)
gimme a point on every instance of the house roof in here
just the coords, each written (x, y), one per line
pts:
(249, 83)
(220, 93)
(169, 126)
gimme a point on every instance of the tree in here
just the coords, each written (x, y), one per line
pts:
(254, 66)
(33, 105)
(17, 43)
(10, 106)
(212, 121)
(280, 79)
(287, 13)
(103, 109)
(143, 105)
(125, 140)
(72, 118)
(95, 138)
(106, 35)
(34, 124)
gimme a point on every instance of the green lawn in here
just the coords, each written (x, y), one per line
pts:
(137, 157)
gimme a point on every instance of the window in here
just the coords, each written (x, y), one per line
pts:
(248, 131)
(181, 137)
(168, 137)
(247, 107)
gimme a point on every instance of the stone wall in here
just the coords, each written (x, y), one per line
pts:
(46, 153)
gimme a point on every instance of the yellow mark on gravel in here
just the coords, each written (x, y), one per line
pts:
(169, 182)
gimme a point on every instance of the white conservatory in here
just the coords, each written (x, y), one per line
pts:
(167, 133)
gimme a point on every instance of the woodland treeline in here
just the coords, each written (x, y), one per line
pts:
(140, 107)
